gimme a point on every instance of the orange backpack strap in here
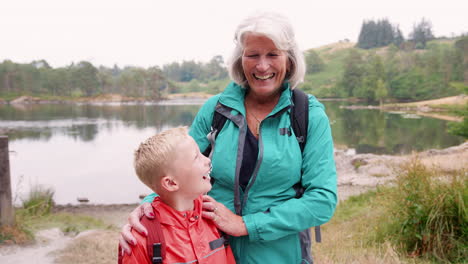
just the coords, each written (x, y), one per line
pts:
(155, 244)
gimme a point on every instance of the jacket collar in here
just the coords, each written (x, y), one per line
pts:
(170, 216)
(233, 96)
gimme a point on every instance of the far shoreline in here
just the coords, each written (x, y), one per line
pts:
(441, 108)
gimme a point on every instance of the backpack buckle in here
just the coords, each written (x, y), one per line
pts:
(157, 253)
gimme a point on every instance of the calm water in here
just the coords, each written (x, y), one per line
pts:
(86, 150)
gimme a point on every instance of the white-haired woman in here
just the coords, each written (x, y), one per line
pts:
(257, 160)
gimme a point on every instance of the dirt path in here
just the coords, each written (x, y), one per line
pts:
(357, 173)
(47, 241)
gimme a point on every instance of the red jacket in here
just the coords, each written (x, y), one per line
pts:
(187, 236)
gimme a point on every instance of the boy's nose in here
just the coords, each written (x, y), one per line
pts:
(207, 161)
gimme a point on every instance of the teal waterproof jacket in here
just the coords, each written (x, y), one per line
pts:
(272, 214)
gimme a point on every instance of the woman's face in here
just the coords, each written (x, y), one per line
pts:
(264, 65)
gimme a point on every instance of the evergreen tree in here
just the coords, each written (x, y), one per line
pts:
(398, 37)
(378, 34)
(421, 34)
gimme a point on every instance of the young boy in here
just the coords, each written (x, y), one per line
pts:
(170, 163)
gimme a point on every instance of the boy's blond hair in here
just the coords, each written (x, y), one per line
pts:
(153, 156)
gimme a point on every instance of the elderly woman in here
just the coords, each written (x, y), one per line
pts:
(255, 164)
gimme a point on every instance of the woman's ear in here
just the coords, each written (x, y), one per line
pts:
(169, 184)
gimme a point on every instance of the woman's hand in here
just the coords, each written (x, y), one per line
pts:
(126, 236)
(224, 219)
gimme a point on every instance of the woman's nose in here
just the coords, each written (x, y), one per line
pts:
(262, 64)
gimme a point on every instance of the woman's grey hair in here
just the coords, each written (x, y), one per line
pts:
(277, 28)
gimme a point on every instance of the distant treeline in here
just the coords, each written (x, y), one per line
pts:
(84, 79)
(81, 79)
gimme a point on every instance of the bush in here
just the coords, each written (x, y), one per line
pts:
(460, 128)
(429, 217)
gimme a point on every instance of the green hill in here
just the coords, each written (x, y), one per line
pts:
(390, 72)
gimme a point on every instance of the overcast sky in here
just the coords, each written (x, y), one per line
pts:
(152, 32)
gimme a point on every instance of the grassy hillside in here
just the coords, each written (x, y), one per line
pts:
(406, 74)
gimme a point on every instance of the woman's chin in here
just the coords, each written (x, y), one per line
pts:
(264, 87)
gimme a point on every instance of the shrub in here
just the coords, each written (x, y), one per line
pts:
(429, 217)
(460, 128)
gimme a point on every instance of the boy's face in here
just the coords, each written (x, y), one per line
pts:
(191, 169)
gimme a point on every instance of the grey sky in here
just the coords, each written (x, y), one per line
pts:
(151, 32)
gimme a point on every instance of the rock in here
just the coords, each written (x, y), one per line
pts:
(82, 199)
(25, 100)
(358, 162)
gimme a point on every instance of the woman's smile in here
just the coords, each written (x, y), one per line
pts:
(265, 66)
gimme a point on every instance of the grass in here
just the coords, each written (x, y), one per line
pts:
(13, 96)
(430, 218)
(321, 83)
(421, 219)
(37, 213)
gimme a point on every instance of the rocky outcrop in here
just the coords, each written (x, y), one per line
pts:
(25, 100)
(360, 172)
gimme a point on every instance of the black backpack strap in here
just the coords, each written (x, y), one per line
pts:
(300, 123)
(216, 125)
(300, 116)
(155, 244)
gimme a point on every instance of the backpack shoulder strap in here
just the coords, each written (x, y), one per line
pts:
(216, 125)
(155, 244)
(300, 116)
(300, 123)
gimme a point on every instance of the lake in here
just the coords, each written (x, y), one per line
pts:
(87, 150)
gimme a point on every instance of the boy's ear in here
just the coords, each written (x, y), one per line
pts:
(169, 183)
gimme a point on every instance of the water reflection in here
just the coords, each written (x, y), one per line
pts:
(87, 150)
(373, 131)
(40, 122)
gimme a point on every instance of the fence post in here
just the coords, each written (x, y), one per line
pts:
(6, 206)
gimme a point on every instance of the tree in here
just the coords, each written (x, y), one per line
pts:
(381, 91)
(373, 72)
(214, 69)
(353, 73)
(421, 34)
(462, 47)
(378, 34)
(398, 39)
(84, 78)
(313, 62)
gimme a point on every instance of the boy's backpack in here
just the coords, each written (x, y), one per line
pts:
(299, 116)
(155, 244)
